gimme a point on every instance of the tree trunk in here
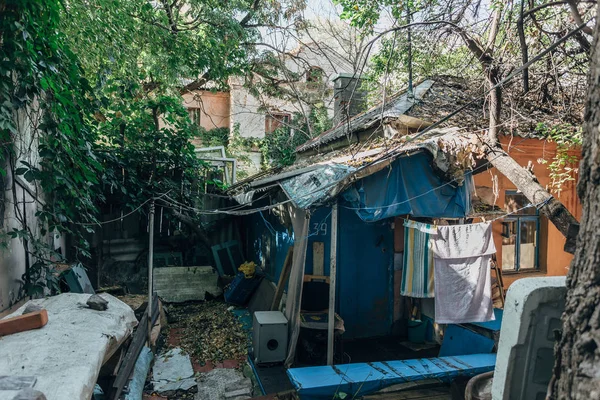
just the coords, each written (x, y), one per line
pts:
(527, 183)
(577, 370)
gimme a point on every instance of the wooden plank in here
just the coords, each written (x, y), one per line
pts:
(417, 394)
(283, 278)
(368, 378)
(332, 274)
(410, 396)
(139, 339)
(315, 278)
(398, 235)
(318, 258)
(16, 382)
(34, 320)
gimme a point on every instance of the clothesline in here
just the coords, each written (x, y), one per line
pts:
(537, 206)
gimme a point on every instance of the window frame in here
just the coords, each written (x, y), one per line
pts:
(192, 115)
(519, 218)
(282, 119)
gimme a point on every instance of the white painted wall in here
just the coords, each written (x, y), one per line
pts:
(245, 111)
(20, 194)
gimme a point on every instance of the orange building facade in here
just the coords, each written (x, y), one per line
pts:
(527, 243)
(207, 109)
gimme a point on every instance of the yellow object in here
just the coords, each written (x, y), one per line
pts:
(248, 268)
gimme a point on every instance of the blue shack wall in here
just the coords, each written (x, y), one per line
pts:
(268, 241)
(365, 275)
(365, 264)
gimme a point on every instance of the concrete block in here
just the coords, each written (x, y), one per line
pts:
(223, 384)
(172, 372)
(526, 348)
(180, 284)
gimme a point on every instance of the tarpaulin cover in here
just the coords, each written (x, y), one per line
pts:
(409, 187)
(306, 189)
(66, 354)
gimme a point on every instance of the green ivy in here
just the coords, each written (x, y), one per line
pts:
(562, 166)
(213, 137)
(43, 87)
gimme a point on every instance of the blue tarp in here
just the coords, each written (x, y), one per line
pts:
(409, 187)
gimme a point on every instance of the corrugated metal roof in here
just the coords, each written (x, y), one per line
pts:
(395, 107)
(372, 153)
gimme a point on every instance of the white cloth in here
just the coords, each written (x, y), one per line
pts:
(294, 291)
(66, 354)
(462, 273)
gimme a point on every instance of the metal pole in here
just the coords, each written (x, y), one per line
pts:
(332, 273)
(409, 62)
(150, 274)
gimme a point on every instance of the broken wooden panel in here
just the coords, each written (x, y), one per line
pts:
(180, 284)
(318, 258)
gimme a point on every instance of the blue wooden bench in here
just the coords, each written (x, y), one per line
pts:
(359, 379)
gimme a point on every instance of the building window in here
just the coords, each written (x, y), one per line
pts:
(275, 120)
(195, 114)
(520, 234)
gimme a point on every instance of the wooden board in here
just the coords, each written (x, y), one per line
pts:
(416, 394)
(368, 378)
(135, 347)
(283, 278)
(318, 258)
(399, 235)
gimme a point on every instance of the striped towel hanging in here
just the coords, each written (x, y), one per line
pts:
(417, 271)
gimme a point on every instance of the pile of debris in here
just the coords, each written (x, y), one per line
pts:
(210, 333)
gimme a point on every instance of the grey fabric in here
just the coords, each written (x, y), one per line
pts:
(300, 224)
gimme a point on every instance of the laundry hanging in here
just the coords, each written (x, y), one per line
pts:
(462, 255)
(418, 266)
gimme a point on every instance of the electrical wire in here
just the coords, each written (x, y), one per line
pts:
(124, 216)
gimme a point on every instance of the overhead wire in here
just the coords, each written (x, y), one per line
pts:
(124, 216)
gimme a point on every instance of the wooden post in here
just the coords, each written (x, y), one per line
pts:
(150, 270)
(283, 278)
(332, 273)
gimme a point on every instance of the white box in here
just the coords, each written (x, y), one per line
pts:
(270, 337)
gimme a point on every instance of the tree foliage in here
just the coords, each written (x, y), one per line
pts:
(45, 105)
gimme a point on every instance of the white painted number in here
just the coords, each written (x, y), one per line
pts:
(320, 229)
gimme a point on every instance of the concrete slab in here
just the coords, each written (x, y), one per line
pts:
(172, 372)
(526, 349)
(180, 284)
(223, 384)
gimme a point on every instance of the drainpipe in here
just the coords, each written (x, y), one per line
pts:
(332, 273)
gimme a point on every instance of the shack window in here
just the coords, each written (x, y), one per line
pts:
(195, 114)
(520, 234)
(276, 120)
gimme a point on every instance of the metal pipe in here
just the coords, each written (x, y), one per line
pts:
(332, 273)
(150, 268)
